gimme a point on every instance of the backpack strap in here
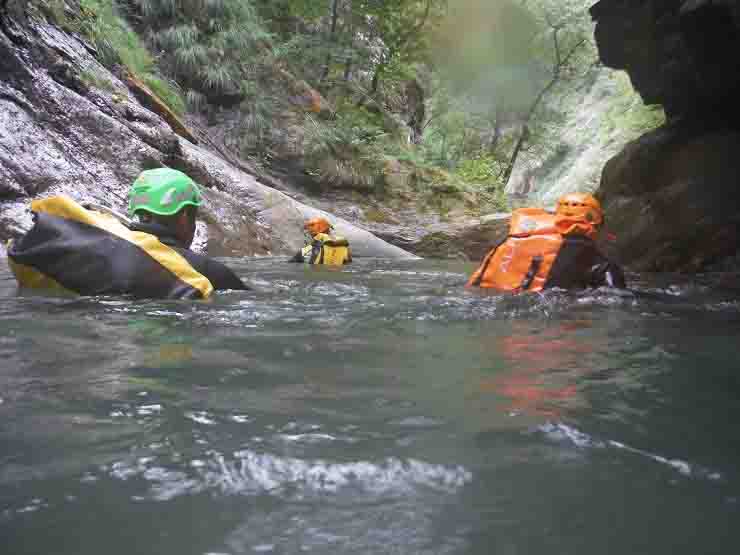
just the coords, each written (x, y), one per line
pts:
(317, 252)
(534, 267)
(486, 263)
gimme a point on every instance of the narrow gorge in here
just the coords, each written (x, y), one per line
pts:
(70, 126)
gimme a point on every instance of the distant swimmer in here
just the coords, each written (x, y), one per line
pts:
(544, 250)
(323, 248)
(93, 251)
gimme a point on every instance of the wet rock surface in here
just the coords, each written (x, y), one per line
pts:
(466, 241)
(672, 199)
(671, 196)
(61, 132)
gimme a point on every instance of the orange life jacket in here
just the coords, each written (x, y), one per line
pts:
(523, 261)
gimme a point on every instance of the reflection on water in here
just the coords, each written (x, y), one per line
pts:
(544, 366)
(377, 409)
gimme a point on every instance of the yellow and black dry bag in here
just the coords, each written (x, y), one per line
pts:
(88, 252)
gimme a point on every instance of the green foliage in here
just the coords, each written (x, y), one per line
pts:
(401, 26)
(54, 10)
(458, 128)
(352, 128)
(485, 67)
(210, 46)
(495, 201)
(257, 123)
(166, 90)
(485, 172)
(93, 78)
(482, 65)
(483, 169)
(629, 113)
(117, 43)
(346, 149)
(113, 38)
(372, 40)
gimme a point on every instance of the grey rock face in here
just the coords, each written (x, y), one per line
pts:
(69, 126)
(672, 199)
(679, 53)
(671, 196)
(467, 241)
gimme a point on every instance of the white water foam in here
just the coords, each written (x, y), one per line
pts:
(201, 417)
(562, 432)
(307, 438)
(252, 473)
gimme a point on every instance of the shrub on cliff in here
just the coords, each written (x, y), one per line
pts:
(103, 24)
(212, 47)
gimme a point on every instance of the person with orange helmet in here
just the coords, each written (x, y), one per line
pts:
(544, 250)
(581, 205)
(322, 247)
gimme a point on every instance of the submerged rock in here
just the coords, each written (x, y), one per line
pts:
(671, 196)
(70, 126)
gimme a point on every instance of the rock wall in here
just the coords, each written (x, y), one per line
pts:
(672, 196)
(68, 125)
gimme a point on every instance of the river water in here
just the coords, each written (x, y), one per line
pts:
(379, 408)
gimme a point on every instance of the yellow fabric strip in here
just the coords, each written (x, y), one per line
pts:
(26, 276)
(172, 260)
(64, 207)
(335, 256)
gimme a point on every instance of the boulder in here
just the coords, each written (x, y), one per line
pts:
(672, 200)
(671, 196)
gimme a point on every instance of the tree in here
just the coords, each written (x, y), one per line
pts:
(334, 16)
(206, 44)
(398, 31)
(566, 35)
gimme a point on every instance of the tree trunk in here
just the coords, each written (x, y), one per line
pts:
(371, 95)
(525, 129)
(350, 32)
(514, 155)
(417, 111)
(557, 71)
(495, 136)
(332, 39)
(376, 79)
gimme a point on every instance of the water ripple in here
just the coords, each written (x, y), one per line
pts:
(561, 432)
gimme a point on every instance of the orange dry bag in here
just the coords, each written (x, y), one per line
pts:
(524, 260)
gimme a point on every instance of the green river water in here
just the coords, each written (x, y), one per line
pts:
(380, 408)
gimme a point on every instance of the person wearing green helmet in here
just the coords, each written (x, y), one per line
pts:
(164, 202)
(92, 250)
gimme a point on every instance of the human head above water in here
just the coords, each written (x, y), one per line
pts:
(314, 226)
(581, 205)
(167, 197)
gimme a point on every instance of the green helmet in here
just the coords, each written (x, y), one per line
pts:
(162, 191)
